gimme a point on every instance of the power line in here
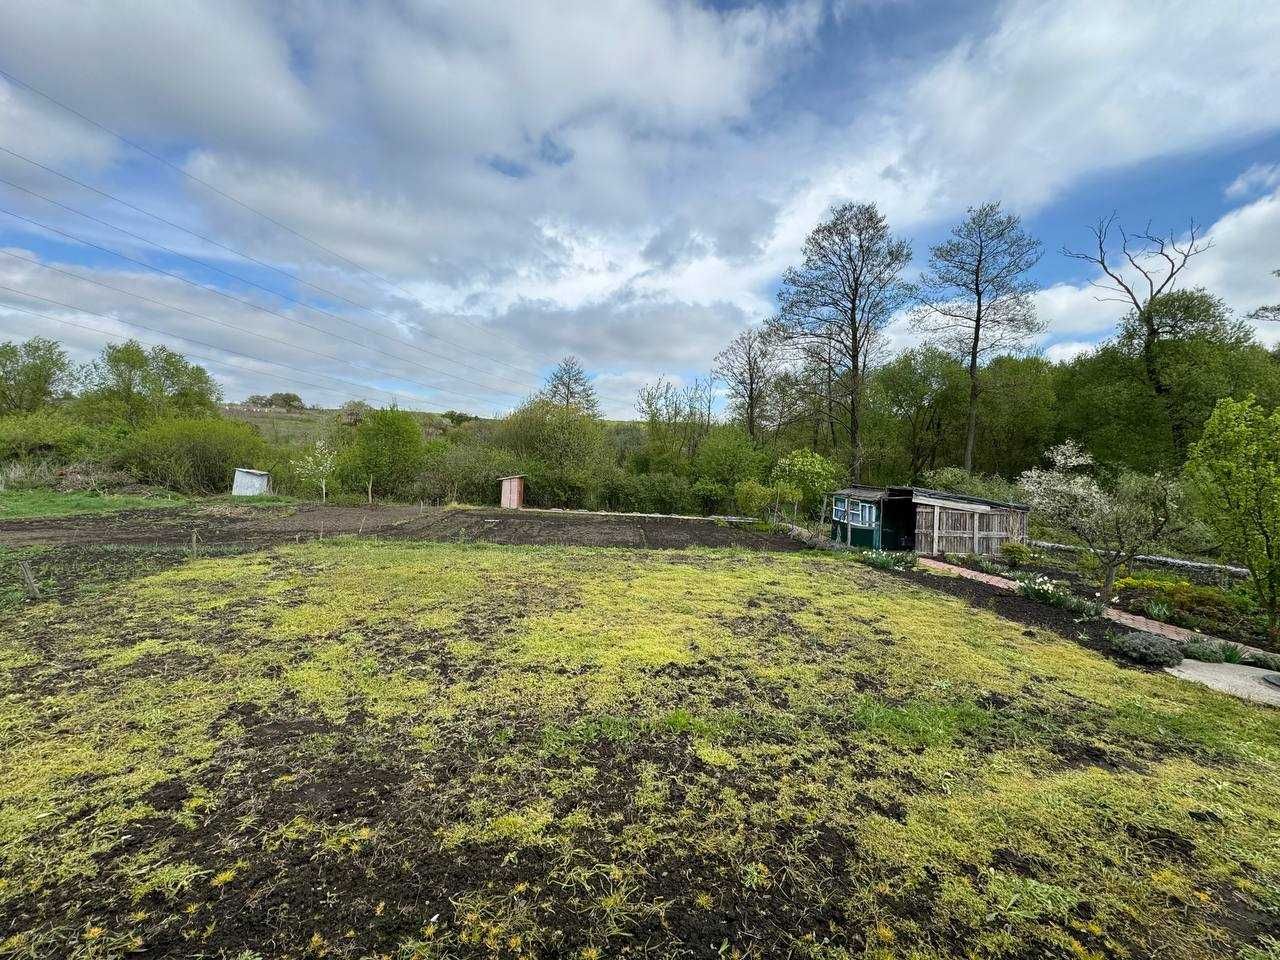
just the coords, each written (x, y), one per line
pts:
(222, 193)
(232, 250)
(227, 296)
(175, 336)
(223, 323)
(186, 353)
(253, 283)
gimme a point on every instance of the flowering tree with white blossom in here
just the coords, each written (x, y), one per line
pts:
(318, 465)
(1115, 521)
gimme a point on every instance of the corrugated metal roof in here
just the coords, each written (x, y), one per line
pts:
(879, 493)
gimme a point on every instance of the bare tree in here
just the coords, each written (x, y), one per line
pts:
(833, 307)
(1153, 264)
(747, 366)
(1270, 311)
(975, 299)
(569, 386)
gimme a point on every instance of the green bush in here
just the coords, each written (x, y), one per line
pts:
(388, 450)
(753, 498)
(193, 455)
(810, 473)
(1015, 553)
(1147, 648)
(710, 495)
(47, 435)
(1267, 661)
(1206, 651)
(467, 472)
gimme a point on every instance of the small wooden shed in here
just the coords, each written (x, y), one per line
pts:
(923, 520)
(512, 492)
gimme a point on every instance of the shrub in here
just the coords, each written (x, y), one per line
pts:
(388, 449)
(45, 435)
(193, 455)
(810, 473)
(710, 495)
(788, 496)
(1206, 651)
(1267, 661)
(1015, 553)
(1044, 590)
(1147, 648)
(752, 497)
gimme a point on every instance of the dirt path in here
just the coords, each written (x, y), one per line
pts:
(232, 524)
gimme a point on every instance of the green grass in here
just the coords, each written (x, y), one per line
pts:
(357, 749)
(15, 504)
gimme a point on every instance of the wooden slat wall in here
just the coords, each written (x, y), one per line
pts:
(956, 530)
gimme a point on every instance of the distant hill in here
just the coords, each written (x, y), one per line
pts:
(301, 427)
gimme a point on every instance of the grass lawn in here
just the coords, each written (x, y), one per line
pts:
(16, 504)
(357, 749)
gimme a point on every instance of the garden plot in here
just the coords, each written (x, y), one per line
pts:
(359, 749)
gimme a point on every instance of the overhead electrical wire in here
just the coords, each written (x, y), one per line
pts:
(227, 196)
(223, 323)
(210, 360)
(260, 286)
(239, 253)
(210, 346)
(489, 388)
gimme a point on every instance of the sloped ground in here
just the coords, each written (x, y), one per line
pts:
(359, 749)
(225, 524)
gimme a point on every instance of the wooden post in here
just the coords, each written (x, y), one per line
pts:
(975, 533)
(29, 580)
(371, 490)
(933, 549)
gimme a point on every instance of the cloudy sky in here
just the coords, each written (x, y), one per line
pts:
(433, 201)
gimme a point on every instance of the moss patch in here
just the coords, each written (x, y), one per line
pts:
(425, 750)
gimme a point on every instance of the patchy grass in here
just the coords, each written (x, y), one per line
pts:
(357, 749)
(16, 504)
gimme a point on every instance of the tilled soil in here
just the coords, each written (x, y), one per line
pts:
(256, 525)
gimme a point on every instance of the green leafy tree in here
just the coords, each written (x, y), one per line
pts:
(132, 384)
(570, 387)
(1234, 470)
(921, 393)
(32, 373)
(727, 455)
(810, 473)
(387, 451)
(562, 448)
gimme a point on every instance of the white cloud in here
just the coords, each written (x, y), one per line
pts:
(1259, 178)
(616, 179)
(1067, 350)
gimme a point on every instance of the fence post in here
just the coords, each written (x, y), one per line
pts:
(29, 580)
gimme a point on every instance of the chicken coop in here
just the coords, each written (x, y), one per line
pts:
(926, 521)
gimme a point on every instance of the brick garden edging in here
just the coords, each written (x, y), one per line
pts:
(1131, 620)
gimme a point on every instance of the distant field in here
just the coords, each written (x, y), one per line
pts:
(410, 750)
(306, 426)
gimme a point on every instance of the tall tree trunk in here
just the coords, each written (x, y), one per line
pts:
(1162, 390)
(855, 426)
(971, 439)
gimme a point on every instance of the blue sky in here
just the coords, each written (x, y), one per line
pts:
(483, 189)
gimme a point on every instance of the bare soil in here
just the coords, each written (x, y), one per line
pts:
(230, 524)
